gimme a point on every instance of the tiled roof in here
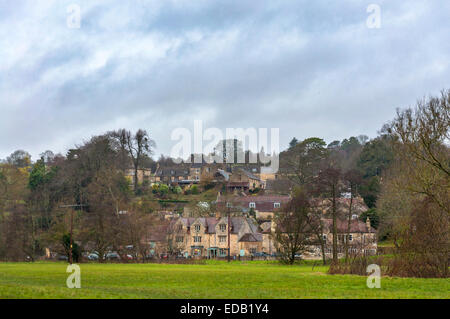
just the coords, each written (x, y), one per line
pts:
(226, 175)
(158, 232)
(356, 226)
(256, 199)
(248, 174)
(262, 203)
(248, 237)
(211, 222)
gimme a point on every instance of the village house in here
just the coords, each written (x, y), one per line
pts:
(263, 206)
(343, 206)
(361, 239)
(143, 175)
(185, 174)
(208, 237)
(243, 181)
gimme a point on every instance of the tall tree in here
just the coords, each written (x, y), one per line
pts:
(138, 146)
(302, 163)
(353, 179)
(329, 185)
(19, 158)
(292, 232)
(416, 193)
(375, 158)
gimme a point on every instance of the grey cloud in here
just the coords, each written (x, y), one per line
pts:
(309, 68)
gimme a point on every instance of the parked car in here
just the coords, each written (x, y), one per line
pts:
(261, 254)
(128, 257)
(112, 256)
(63, 257)
(92, 256)
(164, 256)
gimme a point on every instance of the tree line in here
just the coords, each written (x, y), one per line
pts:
(402, 175)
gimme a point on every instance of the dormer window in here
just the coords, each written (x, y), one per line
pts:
(276, 205)
(197, 227)
(252, 205)
(223, 227)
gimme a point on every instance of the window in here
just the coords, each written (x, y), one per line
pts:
(252, 250)
(179, 239)
(276, 205)
(197, 227)
(228, 204)
(197, 239)
(324, 237)
(252, 205)
(350, 237)
(223, 227)
(222, 239)
(180, 227)
(223, 251)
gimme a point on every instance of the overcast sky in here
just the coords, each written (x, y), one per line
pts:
(310, 68)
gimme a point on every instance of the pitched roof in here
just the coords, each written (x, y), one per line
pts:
(249, 237)
(158, 232)
(262, 203)
(248, 174)
(356, 226)
(226, 175)
(256, 199)
(211, 222)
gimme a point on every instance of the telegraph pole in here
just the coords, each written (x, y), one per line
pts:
(229, 232)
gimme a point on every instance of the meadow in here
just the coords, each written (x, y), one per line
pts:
(215, 279)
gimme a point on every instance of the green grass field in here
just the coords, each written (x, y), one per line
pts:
(214, 280)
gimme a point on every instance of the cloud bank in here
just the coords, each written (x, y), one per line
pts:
(310, 68)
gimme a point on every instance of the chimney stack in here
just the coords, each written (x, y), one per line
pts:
(368, 224)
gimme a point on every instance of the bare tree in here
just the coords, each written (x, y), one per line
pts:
(137, 146)
(424, 139)
(292, 232)
(316, 227)
(19, 158)
(415, 195)
(329, 184)
(353, 178)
